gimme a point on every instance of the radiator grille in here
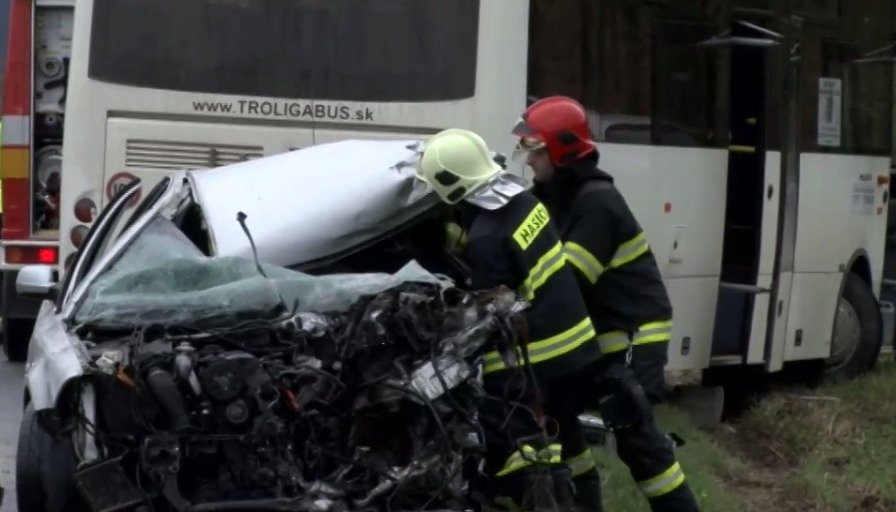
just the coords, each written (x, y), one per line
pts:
(169, 155)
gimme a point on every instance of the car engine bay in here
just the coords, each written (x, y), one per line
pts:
(372, 408)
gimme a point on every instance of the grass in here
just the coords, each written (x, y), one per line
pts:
(832, 448)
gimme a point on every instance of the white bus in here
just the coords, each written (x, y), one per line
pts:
(162, 85)
(753, 145)
(158, 85)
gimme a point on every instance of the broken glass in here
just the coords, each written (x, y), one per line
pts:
(162, 278)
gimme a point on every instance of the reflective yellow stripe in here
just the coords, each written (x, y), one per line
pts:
(664, 483)
(652, 332)
(549, 348)
(583, 260)
(613, 341)
(630, 251)
(735, 148)
(581, 463)
(592, 268)
(544, 268)
(531, 226)
(528, 456)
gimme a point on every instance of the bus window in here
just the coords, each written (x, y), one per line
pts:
(352, 50)
(832, 42)
(636, 67)
(863, 111)
(686, 85)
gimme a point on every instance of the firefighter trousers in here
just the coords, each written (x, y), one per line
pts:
(523, 467)
(648, 453)
(564, 401)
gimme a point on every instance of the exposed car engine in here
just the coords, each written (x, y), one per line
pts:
(368, 409)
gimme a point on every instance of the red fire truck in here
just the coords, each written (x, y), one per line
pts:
(37, 63)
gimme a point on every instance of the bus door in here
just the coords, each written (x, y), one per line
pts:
(762, 192)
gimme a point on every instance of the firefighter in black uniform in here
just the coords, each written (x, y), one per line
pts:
(620, 281)
(510, 241)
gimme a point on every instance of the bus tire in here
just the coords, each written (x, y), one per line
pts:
(16, 336)
(856, 337)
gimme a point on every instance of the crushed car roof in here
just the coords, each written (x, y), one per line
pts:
(314, 202)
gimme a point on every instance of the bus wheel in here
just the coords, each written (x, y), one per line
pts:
(16, 336)
(855, 342)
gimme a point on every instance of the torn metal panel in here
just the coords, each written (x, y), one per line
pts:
(55, 358)
(314, 202)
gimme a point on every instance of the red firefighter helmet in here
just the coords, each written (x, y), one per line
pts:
(558, 123)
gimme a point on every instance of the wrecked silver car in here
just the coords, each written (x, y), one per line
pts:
(262, 336)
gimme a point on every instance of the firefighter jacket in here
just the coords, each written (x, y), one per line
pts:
(517, 246)
(615, 266)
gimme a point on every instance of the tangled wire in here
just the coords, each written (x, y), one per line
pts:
(376, 408)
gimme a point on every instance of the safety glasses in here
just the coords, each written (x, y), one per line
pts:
(525, 146)
(530, 144)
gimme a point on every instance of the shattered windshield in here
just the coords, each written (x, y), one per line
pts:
(163, 278)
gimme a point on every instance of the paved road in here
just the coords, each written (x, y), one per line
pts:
(10, 415)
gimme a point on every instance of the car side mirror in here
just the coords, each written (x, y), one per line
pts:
(37, 282)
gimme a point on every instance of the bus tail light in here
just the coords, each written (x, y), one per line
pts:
(85, 210)
(78, 234)
(30, 255)
(48, 255)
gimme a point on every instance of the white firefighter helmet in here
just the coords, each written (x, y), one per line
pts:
(455, 163)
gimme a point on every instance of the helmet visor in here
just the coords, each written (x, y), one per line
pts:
(526, 145)
(522, 129)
